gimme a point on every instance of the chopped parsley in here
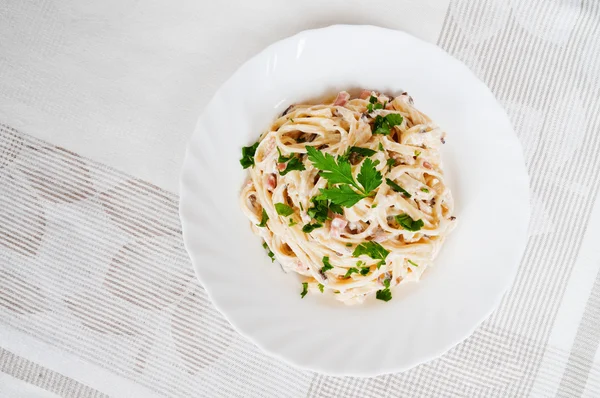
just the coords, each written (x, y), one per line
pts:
(381, 147)
(413, 263)
(321, 287)
(350, 272)
(304, 289)
(326, 265)
(292, 222)
(364, 271)
(424, 190)
(373, 250)
(398, 188)
(292, 163)
(383, 124)
(269, 252)
(374, 205)
(384, 295)
(361, 151)
(348, 244)
(417, 153)
(374, 104)
(390, 162)
(283, 210)
(308, 228)
(408, 223)
(348, 191)
(301, 207)
(248, 152)
(264, 219)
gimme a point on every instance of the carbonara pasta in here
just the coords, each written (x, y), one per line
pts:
(350, 194)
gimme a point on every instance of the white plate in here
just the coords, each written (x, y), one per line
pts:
(486, 172)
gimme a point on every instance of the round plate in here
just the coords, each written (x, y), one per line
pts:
(485, 170)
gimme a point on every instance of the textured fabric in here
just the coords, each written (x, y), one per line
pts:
(37, 375)
(92, 262)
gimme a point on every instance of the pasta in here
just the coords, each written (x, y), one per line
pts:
(350, 194)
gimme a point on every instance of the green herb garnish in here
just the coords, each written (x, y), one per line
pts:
(292, 162)
(308, 228)
(362, 151)
(292, 222)
(397, 188)
(350, 272)
(348, 244)
(269, 252)
(326, 264)
(413, 263)
(364, 271)
(381, 147)
(283, 210)
(264, 219)
(248, 152)
(373, 250)
(384, 295)
(408, 223)
(349, 191)
(424, 190)
(417, 153)
(383, 124)
(304, 289)
(321, 287)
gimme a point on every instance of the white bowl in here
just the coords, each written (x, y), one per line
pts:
(485, 169)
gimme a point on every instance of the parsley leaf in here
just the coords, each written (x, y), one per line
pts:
(269, 252)
(263, 220)
(424, 190)
(417, 153)
(390, 162)
(369, 177)
(408, 223)
(293, 163)
(320, 210)
(248, 152)
(304, 289)
(283, 209)
(308, 228)
(350, 272)
(384, 124)
(397, 188)
(342, 195)
(321, 287)
(348, 244)
(413, 263)
(364, 271)
(340, 172)
(326, 264)
(336, 172)
(381, 146)
(373, 250)
(362, 151)
(337, 209)
(292, 222)
(384, 295)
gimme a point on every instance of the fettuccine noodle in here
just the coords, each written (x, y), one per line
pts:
(409, 217)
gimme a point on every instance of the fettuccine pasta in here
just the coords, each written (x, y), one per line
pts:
(350, 194)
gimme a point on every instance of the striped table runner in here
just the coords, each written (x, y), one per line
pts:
(97, 292)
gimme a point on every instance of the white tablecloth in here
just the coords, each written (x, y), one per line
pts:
(97, 100)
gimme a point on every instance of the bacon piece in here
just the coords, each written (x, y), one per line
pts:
(337, 226)
(271, 182)
(427, 165)
(281, 166)
(365, 94)
(341, 98)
